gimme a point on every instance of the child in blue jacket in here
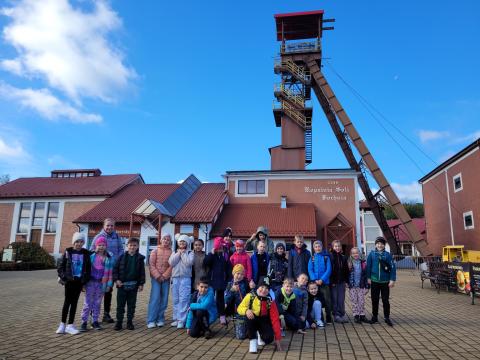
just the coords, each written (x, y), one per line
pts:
(202, 312)
(381, 275)
(260, 260)
(319, 270)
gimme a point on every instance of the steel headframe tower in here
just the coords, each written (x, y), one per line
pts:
(300, 69)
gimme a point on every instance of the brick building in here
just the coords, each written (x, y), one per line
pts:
(451, 196)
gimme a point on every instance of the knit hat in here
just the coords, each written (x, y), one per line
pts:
(78, 236)
(101, 240)
(227, 232)
(218, 243)
(264, 281)
(381, 240)
(239, 243)
(318, 242)
(183, 237)
(237, 269)
(282, 245)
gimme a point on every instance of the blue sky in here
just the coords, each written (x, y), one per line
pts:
(166, 88)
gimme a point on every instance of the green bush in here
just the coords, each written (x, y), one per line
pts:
(31, 255)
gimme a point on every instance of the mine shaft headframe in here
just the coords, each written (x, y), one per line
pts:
(302, 25)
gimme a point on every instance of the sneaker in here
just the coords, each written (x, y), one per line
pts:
(208, 334)
(118, 326)
(161, 323)
(107, 318)
(130, 325)
(344, 319)
(96, 326)
(388, 322)
(357, 319)
(223, 320)
(364, 319)
(253, 346)
(374, 320)
(320, 324)
(337, 319)
(151, 325)
(260, 341)
(180, 325)
(61, 328)
(83, 327)
(71, 329)
(174, 323)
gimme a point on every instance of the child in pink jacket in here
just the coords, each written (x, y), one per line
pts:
(241, 257)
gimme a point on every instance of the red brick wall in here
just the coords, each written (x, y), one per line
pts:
(49, 242)
(6, 213)
(468, 199)
(71, 211)
(20, 238)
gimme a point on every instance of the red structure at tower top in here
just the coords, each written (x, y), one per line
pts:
(299, 25)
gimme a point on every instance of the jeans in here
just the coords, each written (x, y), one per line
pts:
(129, 298)
(382, 288)
(158, 301)
(315, 313)
(338, 299)
(181, 297)
(199, 323)
(263, 325)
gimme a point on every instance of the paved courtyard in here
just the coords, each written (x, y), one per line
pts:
(427, 326)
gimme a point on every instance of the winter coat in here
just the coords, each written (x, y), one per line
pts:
(64, 269)
(244, 259)
(376, 272)
(207, 302)
(340, 272)
(363, 276)
(198, 270)
(219, 270)
(120, 268)
(158, 263)
(115, 244)
(301, 296)
(270, 248)
(320, 267)
(311, 300)
(298, 263)
(281, 303)
(263, 307)
(255, 273)
(181, 264)
(109, 263)
(236, 296)
(277, 268)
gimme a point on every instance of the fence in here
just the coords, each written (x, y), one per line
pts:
(414, 263)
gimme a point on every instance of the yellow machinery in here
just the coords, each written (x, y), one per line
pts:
(457, 253)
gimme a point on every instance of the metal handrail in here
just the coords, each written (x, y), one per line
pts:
(294, 69)
(295, 98)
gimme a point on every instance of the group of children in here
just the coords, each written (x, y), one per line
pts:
(264, 294)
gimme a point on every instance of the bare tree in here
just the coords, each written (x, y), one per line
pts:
(5, 178)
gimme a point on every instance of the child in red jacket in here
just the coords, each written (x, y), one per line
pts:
(241, 257)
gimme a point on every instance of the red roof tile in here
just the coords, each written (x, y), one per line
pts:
(203, 205)
(120, 206)
(399, 229)
(61, 187)
(245, 218)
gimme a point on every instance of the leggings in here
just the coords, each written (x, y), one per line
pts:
(73, 289)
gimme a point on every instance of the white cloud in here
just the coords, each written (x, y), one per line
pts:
(467, 138)
(408, 192)
(46, 104)
(430, 135)
(12, 151)
(69, 48)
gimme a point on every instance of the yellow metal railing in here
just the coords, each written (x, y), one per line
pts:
(296, 115)
(298, 71)
(297, 99)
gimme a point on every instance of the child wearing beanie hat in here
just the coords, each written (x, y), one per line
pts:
(73, 272)
(262, 318)
(219, 274)
(100, 282)
(241, 257)
(181, 263)
(236, 290)
(278, 267)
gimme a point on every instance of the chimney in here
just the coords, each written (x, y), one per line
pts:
(283, 202)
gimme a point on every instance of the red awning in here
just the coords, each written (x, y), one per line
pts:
(299, 25)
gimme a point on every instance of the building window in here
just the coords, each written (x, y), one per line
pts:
(468, 220)
(52, 217)
(24, 219)
(407, 249)
(457, 182)
(251, 187)
(38, 214)
(186, 229)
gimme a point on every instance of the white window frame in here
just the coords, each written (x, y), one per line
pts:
(458, 176)
(465, 214)
(188, 226)
(251, 195)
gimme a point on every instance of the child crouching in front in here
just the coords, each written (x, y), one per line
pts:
(287, 307)
(314, 308)
(234, 294)
(202, 312)
(263, 325)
